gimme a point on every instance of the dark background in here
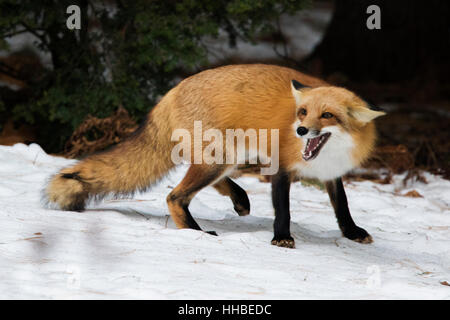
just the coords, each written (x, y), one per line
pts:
(75, 92)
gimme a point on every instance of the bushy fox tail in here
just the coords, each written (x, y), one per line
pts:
(133, 165)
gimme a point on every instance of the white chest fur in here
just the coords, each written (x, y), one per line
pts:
(334, 159)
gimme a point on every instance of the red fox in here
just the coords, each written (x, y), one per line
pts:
(323, 132)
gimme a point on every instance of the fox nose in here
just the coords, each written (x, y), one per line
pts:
(301, 131)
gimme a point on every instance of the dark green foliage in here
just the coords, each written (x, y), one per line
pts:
(127, 53)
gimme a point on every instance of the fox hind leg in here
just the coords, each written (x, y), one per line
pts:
(238, 196)
(196, 178)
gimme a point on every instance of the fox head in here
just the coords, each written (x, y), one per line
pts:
(334, 123)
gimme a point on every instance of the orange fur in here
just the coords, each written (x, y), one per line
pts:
(231, 97)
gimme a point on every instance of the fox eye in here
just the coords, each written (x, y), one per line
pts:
(302, 111)
(327, 115)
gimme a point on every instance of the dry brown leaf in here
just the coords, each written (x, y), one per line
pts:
(108, 131)
(413, 194)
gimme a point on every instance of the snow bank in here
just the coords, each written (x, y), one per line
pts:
(131, 248)
(302, 32)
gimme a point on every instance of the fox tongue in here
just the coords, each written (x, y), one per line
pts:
(312, 144)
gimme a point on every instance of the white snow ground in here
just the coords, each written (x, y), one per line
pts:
(131, 249)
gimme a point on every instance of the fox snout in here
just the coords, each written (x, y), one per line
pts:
(303, 132)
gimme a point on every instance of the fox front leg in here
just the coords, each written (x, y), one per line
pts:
(281, 184)
(348, 227)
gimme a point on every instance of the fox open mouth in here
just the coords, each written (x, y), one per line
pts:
(314, 145)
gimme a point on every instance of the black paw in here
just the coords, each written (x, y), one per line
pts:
(241, 210)
(358, 234)
(286, 242)
(213, 233)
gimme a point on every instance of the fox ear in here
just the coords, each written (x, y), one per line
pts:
(364, 114)
(295, 86)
